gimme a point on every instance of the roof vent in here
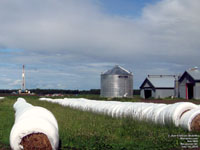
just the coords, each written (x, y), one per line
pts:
(195, 68)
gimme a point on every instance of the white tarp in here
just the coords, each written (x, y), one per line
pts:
(157, 113)
(32, 119)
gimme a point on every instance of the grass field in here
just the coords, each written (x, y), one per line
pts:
(80, 130)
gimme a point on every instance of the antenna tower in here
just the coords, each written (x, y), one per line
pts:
(23, 79)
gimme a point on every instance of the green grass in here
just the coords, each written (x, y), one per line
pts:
(89, 131)
(6, 121)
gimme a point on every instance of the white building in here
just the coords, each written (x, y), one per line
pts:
(189, 84)
(158, 86)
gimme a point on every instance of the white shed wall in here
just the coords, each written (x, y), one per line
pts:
(197, 91)
(163, 93)
(159, 93)
(142, 93)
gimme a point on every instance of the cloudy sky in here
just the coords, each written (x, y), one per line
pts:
(66, 44)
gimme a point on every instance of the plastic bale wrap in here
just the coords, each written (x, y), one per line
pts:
(115, 110)
(136, 110)
(1, 98)
(160, 117)
(110, 108)
(133, 111)
(125, 110)
(147, 111)
(190, 120)
(157, 113)
(175, 111)
(154, 111)
(105, 108)
(121, 110)
(34, 128)
(140, 110)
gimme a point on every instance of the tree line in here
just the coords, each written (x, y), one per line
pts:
(60, 91)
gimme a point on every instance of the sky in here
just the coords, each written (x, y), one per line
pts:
(67, 44)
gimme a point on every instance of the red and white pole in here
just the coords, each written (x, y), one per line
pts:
(23, 78)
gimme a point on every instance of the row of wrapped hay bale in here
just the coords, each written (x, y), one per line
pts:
(183, 114)
(34, 128)
(1, 98)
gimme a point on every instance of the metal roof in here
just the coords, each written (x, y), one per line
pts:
(118, 70)
(194, 73)
(162, 81)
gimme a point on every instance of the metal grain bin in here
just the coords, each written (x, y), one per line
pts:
(117, 82)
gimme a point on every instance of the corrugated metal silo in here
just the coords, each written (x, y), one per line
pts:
(117, 82)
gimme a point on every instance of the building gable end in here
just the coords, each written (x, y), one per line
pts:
(147, 82)
(187, 76)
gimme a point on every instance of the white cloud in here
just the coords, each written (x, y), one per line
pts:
(16, 83)
(174, 28)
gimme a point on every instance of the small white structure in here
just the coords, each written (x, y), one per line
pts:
(158, 86)
(189, 84)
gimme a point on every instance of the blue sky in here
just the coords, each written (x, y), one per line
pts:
(66, 44)
(127, 8)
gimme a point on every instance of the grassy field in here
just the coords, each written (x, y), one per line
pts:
(88, 131)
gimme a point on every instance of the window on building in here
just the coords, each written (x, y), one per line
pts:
(123, 76)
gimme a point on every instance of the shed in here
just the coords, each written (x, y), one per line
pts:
(189, 84)
(158, 86)
(117, 82)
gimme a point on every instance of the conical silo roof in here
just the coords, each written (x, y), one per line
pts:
(118, 70)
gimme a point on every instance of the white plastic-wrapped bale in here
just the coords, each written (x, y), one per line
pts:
(147, 111)
(190, 120)
(153, 112)
(157, 113)
(174, 112)
(34, 128)
(160, 119)
(2, 98)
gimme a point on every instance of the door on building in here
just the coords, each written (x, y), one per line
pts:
(147, 94)
(190, 87)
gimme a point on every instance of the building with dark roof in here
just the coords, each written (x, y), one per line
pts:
(158, 86)
(189, 84)
(117, 82)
